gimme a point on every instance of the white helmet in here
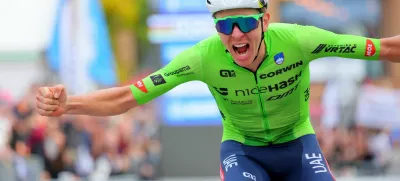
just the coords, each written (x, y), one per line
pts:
(219, 5)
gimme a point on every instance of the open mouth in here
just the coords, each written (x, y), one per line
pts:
(241, 49)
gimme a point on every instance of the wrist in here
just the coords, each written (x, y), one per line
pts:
(73, 104)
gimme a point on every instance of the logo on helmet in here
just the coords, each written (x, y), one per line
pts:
(262, 3)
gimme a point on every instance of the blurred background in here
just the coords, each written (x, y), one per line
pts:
(94, 44)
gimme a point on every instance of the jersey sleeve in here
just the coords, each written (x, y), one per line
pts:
(316, 43)
(185, 67)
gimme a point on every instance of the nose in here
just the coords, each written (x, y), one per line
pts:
(236, 33)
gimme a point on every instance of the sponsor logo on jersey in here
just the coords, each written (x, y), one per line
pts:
(269, 88)
(227, 73)
(222, 91)
(279, 58)
(247, 102)
(262, 89)
(250, 176)
(140, 85)
(370, 49)
(235, 102)
(307, 94)
(222, 114)
(230, 162)
(280, 96)
(157, 79)
(282, 70)
(317, 162)
(178, 71)
(347, 48)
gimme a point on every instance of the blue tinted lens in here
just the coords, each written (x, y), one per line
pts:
(225, 26)
(247, 24)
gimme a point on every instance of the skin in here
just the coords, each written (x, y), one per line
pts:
(253, 38)
(54, 101)
(390, 49)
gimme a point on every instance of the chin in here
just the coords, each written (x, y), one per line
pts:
(243, 63)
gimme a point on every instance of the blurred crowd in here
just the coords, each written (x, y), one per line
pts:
(34, 147)
(95, 148)
(353, 141)
(352, 147)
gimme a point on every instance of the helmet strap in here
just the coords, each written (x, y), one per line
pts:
(262, 39)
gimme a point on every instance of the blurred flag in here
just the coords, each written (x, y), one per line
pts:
(80, 49)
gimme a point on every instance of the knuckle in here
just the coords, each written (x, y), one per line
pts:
(45, 101)
(49, 95)
(48, 107)
(54, 102)
(42, 107)
(41, 91)
(48, 101)
(52, 108)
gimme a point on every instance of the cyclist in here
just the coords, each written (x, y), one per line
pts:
(258, 73)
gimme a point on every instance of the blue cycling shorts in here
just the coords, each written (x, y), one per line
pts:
(298, 160)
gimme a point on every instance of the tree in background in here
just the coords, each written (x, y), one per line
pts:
(128, 29)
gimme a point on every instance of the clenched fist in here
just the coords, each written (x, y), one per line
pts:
(50, 101)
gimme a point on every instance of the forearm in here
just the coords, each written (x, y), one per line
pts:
(106, 102)
(390, 49)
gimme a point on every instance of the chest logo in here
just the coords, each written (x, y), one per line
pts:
(227, 73)
(279, 58)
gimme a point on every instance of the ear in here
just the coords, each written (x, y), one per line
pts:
(266, 19)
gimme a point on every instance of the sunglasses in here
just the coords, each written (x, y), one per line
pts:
(244, 23)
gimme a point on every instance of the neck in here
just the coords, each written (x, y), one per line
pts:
(256, 63)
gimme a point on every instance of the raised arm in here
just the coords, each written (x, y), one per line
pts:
(390, 49)
(317, 43)
(187, 66)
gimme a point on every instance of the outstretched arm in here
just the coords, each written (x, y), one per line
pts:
(54, 101)
(106, 102)
(317, 43)
(390, 49)
(187, 66)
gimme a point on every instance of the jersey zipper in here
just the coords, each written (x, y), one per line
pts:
(260, 98)
(264, 113)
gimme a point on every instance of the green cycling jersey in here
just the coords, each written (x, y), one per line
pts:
(270, 105)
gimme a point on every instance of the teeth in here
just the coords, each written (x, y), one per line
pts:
(240, 45)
